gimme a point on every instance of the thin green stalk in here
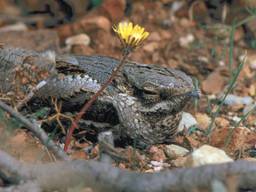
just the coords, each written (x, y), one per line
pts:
(231, 131)
(235, 74)
(196, 84)
(244, 21)
(230, 87)
(231, 47)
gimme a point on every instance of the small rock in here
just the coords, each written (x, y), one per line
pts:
(221, 122)
(187, 40)
(186, 23)
(207, 155)
(179, 162)
(154, 36)
(157, 154)
(121, 166)
(236, 119)
(176, 5)
(81, 39)
(236, 107)
(250, 60)
(95, 23)
(214, 83)
(236, 100)
(203, 59)
(187, 120)
(203, 120)
(115, 9)
(252, 90)
(165, 34)
(14, 27)
(241, 137)
(249, 108)
(192, 142)
(158, 165)
(174, 151)
(149, 171)
(150, 47)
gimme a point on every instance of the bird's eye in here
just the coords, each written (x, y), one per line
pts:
(149, 92)
(150, 96)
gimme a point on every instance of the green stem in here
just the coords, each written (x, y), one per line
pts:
(231, 131)
(230, 87)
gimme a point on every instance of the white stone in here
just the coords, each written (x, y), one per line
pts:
(237, 100)
(81, 39)
(187, 120)
(158, 165)
(185, 41)
(207, 155)
(14, 27)
(236, 119)
(174, 151)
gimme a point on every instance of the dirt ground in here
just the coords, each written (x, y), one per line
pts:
(202, 46)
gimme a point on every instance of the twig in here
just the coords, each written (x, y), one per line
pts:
(60, 176)
(108, 153)
(30, 95)
(39, 133)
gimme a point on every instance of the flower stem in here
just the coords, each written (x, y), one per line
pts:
(93, 99)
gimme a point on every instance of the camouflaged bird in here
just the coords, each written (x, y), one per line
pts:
(144, 101)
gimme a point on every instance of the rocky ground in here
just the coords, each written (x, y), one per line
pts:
(203, 48)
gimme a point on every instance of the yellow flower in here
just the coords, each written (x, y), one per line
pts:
(131, 36)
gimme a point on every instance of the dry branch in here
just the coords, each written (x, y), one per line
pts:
(39, 133)
(104, 177)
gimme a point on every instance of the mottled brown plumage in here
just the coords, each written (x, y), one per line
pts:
(144, 101)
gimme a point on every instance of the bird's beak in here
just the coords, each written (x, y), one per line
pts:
(195, 93)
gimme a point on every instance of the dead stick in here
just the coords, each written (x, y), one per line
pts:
(103, 177)
(39, 133)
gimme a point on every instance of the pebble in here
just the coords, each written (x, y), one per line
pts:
(214, 83)
(237, 100)
(150, 47)
(207, 155)
(157, 154)
(250, 59)
(221, 122)
(177, 5)
(14, 27)
(236, 119)
(81, 39)
(158, 165)
(187, 121)
(173, 151)
(185, 41)
(252, 90)
(154, 36)
(203, 120)
(96, 23)
(249, 108)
